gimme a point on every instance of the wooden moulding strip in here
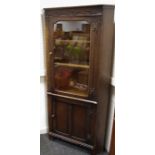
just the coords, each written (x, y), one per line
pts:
(73, 98)
(71, 140)
(72, 65)
(72, 93)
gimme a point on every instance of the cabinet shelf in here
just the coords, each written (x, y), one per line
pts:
(73, 98)
(58, 41)
(72, 65)
(73, 92)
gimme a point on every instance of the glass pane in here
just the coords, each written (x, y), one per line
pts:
(71, 56)
(72, 42)
(71, 80)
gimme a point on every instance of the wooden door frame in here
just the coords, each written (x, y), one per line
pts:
(94, 22)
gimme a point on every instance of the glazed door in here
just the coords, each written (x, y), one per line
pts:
(72, 56)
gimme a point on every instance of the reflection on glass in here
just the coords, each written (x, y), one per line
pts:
(71, 56)
(71, 80)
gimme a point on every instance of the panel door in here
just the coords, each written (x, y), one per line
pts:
(79, 120)
(83, 123)
(74, 119)
(60, 117)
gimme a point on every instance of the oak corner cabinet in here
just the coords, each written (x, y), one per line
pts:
(79, 56)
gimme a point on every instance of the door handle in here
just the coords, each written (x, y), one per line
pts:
(53, 115)
(50, 53)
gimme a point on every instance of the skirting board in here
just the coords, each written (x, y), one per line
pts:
(43, 131)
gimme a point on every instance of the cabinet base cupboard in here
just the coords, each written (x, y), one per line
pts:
(79, 55)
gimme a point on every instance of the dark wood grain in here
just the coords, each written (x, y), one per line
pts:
(72, 140)
(62, 112)
(75, 11)
(78, 122)
(73, 119)
(79, 125)
(105, 59)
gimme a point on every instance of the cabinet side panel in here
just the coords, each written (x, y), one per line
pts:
(104, 74)
(48, 71)
(107, 44)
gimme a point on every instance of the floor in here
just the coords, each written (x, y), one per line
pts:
(58, 147)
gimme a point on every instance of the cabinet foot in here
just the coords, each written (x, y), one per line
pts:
(50, 136)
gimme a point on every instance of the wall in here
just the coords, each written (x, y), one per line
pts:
(61, 3)
(43, 107)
